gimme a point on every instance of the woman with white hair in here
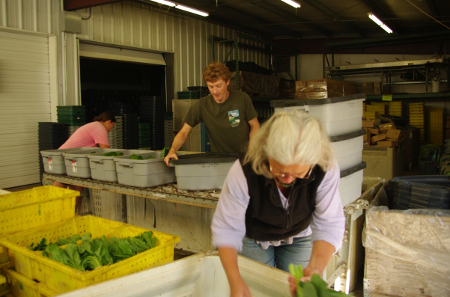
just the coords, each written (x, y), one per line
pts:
(280, 202)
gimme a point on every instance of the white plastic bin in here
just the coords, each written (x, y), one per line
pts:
(350, 185)
(144, 173)
(104, 167)
(200, 275)
(203, 171)
(339, 115)
(348, 149)
(53, 160)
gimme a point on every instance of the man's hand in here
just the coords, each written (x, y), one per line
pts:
(170, 155)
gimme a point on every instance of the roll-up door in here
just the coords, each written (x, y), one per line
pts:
(120, 54)
(27, 97)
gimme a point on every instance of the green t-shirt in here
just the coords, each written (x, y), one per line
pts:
(226, 123)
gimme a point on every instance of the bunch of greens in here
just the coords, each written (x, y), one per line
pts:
(136, 157)
(317, 287)
(97, 252)
(41, 246)
(113, 154)
(164, 152)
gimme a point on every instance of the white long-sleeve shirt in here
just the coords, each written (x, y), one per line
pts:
(228, 224)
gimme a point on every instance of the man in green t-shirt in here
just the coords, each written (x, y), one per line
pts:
(229, 116)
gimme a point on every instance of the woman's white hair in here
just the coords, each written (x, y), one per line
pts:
(289, 138)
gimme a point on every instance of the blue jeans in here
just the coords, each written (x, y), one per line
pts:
(297, 253)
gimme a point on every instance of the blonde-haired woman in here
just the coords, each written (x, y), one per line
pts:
(280, 202)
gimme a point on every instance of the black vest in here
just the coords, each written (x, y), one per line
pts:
(266, 219)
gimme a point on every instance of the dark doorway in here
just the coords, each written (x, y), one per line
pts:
(136, 92)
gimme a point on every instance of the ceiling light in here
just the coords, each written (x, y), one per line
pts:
(379, 23)
(192, 10)
(292, 3)
(164, 2)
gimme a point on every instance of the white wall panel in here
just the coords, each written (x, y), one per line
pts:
(25, 97)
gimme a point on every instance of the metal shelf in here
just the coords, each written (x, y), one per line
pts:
(168, 192)
(444, 95)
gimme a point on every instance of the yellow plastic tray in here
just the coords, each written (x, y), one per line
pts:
(25, 287)
(61, 278)
(34, 208)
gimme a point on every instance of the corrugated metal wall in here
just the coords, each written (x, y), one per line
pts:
(142, 26)
(129, 24)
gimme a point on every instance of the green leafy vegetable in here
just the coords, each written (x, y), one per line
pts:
(317, 287)
(136, 157)
(164, 152)
(40, 246)
(70, 239)
(113, 154)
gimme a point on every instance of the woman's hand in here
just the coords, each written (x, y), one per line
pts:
(239, 290)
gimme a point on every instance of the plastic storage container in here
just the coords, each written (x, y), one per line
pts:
(423, 191)
(350, 185)
(200, 275)
(339, 115)
(40, 206)
(77, 162)
(53, 160)
(104, 167)
(61, 278)
(144, 173)
(348, 149)
(23, 286)
(203, 171)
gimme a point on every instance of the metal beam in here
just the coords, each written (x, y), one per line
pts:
(79, 4)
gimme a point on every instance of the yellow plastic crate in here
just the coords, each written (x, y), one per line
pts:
(34, 208)
(21, 286)
(61, 278)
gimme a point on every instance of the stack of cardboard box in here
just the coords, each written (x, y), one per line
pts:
(323, 88)
(385, 135)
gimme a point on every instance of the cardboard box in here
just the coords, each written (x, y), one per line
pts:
(368, 124)
(393, 133)
(377, 138)
(386, 126)
(348, 88)
(318, 89)
(373, 131)
(388, 143)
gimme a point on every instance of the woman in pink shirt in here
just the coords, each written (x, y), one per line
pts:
(94, 134)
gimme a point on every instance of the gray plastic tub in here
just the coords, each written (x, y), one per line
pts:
(104, 167)
(144, 173)
(53, 160)
(203, 171)
(348, 148)
(77, 162)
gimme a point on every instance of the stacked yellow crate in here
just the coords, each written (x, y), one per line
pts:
(379, 107)
(395, 108)
(436, 126)
(417, 117)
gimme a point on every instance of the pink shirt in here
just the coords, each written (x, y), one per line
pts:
(88, 135)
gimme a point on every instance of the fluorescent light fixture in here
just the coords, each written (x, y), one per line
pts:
(378, 22)
(192, 10)
(292, 3)
(164, 2)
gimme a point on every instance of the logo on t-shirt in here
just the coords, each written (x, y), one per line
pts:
(233, 118)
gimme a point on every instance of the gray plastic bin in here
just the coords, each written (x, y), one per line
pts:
(203, 171)
(53, 160)
(77, 162)
(104, 167)
(144, 173)
(348, 148)
(339, 115)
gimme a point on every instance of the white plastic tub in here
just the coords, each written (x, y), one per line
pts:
(348, 149)
(104, 167)
(53, 160)
(350, 185)
(144, 173)
(200, 275)
(203, 171)
(339, 115)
